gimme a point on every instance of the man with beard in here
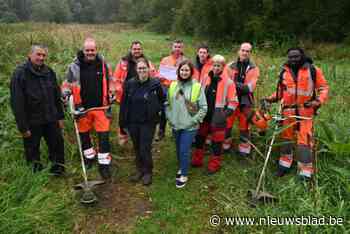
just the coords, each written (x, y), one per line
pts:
(301, 89)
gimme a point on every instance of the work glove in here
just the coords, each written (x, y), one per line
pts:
(79, 112)
(108, 113)
(265, 104)
(112, 98)
(313, 104)
(65, 97)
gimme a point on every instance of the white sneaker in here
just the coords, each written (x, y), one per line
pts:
(181, 182)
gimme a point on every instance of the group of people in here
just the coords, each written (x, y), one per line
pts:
(199, 100)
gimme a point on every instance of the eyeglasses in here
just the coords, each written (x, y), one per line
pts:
(142, 68)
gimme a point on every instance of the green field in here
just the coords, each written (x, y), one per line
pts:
(40, 203)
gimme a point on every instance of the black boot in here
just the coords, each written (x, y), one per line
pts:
(57, 169)
(104, 171)
(282, 171)
(37, 167)
(136, 177)
(89, 163)
(147, 179)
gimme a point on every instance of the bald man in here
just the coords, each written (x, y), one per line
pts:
(88, 80)
(245, 74)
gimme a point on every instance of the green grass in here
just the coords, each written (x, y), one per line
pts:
(38, 203)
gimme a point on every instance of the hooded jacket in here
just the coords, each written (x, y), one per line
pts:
(74, 82)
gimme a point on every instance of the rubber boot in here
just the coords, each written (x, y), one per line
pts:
(214, 164)
(104, 171)
(197, 158)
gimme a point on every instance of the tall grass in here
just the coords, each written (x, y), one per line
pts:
(29, 203)
(330, 195)
(38, 203)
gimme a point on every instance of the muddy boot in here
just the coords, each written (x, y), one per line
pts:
(147, 179)
(136, 177)
(104, 171)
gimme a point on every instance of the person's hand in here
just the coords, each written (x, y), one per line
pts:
(65, 97)
(108, 113)
(26, 134)
(314, 104)
(61, 124)
(265, 104)
(112, 98)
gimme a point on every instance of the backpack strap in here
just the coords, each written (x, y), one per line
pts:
(280, 80)
(313, 77)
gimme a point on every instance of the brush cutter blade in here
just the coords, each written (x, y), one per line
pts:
(88, 197)
(88, 184)
(264, 197)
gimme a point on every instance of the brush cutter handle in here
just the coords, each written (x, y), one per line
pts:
(71, 108)
(81, 111)
(267, 155)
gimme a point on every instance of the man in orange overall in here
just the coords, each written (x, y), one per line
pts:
(245, 74)
(302, 89)
(88, 81)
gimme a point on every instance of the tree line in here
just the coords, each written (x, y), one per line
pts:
(220, 20)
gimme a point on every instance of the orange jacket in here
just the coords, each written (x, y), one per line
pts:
(298, 92)
(72, 86)
(226, 92)
(200, 75)
(226, 100)
(120, 74)
(252, 74)
(170, 61)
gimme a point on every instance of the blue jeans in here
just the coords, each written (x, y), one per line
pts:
(183, 140)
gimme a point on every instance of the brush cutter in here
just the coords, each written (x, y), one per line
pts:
(256, 194)
(88, 195)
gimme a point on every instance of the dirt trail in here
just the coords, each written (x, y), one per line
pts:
(120, 203)
(119, 206)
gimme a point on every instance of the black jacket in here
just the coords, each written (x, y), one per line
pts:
(141, 102)
(91, 81)
(35, 96)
